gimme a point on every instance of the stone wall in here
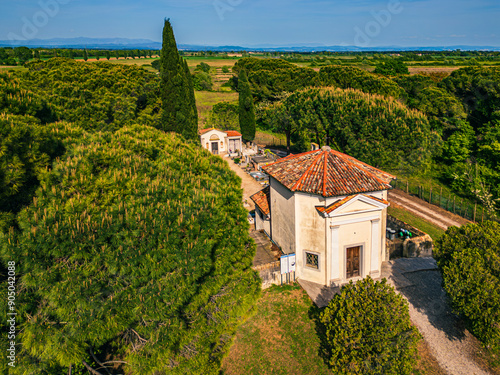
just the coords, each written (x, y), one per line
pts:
(417, 246)
(270, 274)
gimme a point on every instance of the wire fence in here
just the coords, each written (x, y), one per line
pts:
(269, 140)
(471, 211)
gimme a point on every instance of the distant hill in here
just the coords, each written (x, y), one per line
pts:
(125, 43)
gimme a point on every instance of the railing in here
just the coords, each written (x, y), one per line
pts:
(468, 210)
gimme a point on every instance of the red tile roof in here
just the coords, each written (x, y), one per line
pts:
(232, 133)
(262, 199)
(328, 173)
(203, 131)
(329, 209)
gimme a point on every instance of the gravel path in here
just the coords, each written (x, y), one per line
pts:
(419, 281)
(248, 184)
(432, 213)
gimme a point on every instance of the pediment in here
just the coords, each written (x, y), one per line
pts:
(353, 204)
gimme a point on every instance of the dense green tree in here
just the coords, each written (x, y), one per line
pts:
(469, 260)
(156, 64)
(347, 77)
(246, 108)
(177, 93)
(202, 81)
(23, 54)
(98, 96)
(278, 118)
(377, 130)
(391, 67)
(271, 79)
(224, 116)
(192, 98)
(85, 55)
(479, 90)
(203, 66)
(445, 111)
(142, 262)
(26, 149)
(368, 330)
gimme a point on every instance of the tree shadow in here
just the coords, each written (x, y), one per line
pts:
(428, 297)
(314, 314)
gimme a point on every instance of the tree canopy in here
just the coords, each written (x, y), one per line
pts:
(140, 255)
(368, 330)
(377, 130)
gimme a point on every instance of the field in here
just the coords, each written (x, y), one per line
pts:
(206, 99)
(281, 338)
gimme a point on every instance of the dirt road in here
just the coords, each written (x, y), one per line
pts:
(429, 212)
(419, 281)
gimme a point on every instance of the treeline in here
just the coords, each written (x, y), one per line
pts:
(20, 55)
(130, 257)
(457, 132)
(98, 96)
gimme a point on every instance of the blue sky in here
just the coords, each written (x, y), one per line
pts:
(367, 23)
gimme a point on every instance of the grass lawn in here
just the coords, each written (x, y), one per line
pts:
(425, 226)
(281, 338)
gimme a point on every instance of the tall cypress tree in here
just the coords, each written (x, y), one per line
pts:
(177, 93)
(246, 108)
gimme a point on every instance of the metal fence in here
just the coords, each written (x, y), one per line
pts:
(269, 140)
(452, 203)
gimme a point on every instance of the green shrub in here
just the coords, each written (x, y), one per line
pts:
(237, 161)
(469, 259)
(368, 330)
(202, 81)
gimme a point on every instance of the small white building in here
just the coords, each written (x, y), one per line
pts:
(221, 142)
(330, 210)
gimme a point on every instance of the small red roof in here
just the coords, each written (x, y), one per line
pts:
(203, 131)
(328, 173)
(262, 199)
(232, 133)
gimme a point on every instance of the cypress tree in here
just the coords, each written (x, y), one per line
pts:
(246, 108)
(85, 55)
(192, 98)
(177, 93)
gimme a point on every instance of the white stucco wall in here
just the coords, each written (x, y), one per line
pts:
(282, 216)
(222, 142)
(310, 227)
(261, 222)
(298, 227)
(350, 228)
(207, 143)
